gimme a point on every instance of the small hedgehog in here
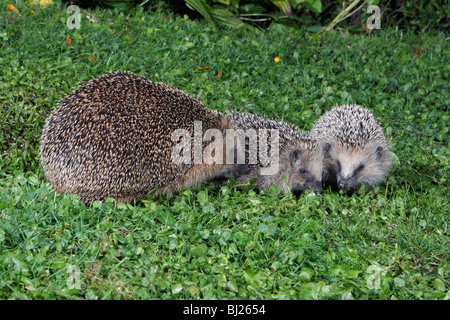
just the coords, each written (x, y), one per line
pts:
(113, 137)
(295, 161)
(355, 148)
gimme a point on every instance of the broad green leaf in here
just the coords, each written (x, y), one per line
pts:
(305, 275)
(201, 7)
(314, 5)
(164, 232)
(226, 18)
(251, 8)
(193, 290)
(177, 288)
(280, 28)
(439, 285)
(167, 218)
(202, 197)
(199, 251)
(315, 28)
(119, 4)
(232, 285)
(297, 3)
(284, 6)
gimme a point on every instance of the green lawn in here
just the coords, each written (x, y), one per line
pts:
(391, 242)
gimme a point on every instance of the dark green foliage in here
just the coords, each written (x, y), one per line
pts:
(414, 15)
(418, 15)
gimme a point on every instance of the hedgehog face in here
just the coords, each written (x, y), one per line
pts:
(355, 147)
(302, 168)
(350, 167)
(295, 161)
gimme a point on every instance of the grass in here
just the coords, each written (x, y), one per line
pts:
(232, 242)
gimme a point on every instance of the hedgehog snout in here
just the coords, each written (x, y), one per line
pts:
(343, 184)
(346, 183)
(315, 186)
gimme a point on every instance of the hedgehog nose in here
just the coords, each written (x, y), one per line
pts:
(317, 188)
(342, 183)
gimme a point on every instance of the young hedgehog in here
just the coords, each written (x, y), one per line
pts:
(355, 147)
(113, 138)
(298, 157)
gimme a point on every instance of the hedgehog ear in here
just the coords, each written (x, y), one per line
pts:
(378, 152)
(327, 147)
(294, 156)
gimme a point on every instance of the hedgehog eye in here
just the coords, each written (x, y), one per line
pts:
(359, 169)
(303, 171)
(294, 156)
(338, 166)
(378, 152)
(327, 147)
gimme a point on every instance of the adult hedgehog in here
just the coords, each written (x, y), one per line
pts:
(112, 138)
(355, 147)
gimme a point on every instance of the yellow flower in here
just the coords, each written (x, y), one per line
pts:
(276, 59)
(41, 3)
(45, 3)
